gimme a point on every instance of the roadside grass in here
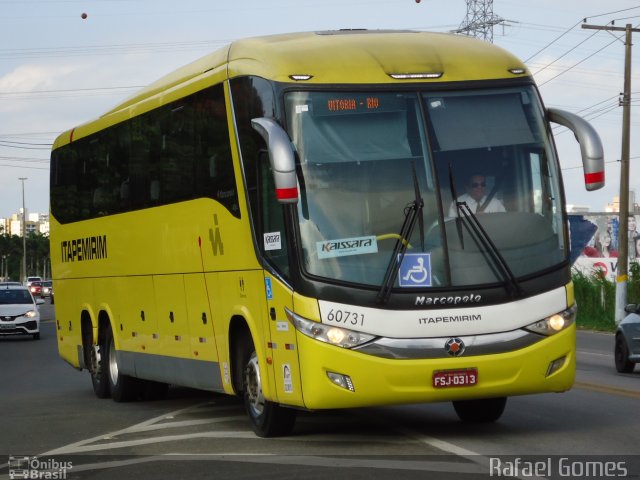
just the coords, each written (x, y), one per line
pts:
(596, 298)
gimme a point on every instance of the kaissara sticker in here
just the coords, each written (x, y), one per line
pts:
(347, 246)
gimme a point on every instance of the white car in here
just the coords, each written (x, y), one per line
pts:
(30, 280)
(19, 313)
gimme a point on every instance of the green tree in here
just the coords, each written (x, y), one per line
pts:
(11, 253)
(38, 256)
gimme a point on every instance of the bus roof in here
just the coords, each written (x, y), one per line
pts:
(346, 57)
(350, 56)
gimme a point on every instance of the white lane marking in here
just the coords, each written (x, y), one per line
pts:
(475, 457)
(147, 441)
(596, 354)
(97, 444)
(70, 448)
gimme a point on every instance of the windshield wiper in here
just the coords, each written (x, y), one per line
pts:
(494, 253)
(412, 212)
(454, 193)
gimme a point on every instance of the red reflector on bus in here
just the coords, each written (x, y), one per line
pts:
(595, 177)
(286, 193)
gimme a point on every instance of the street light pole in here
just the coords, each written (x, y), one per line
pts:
(24, 234)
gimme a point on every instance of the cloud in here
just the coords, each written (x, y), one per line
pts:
(32, 77)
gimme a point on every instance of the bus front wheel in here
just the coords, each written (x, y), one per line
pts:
(484, 410)
(268, 419)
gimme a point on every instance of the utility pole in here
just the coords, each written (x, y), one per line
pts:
(623, 230)
(24, 234)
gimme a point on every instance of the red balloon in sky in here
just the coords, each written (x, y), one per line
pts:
(84, 15)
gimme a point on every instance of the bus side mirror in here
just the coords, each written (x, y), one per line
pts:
(590, 146)
(281, 158)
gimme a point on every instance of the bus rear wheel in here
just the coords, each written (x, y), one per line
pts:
(268, 419)
(99, 378)
(484, 410)
(122, 387)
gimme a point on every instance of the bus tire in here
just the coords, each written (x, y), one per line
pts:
(484, 410)
(268, 419)
(99, 375)
(621, 356)
(123, 388)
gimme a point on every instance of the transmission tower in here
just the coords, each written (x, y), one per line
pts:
(480, 20)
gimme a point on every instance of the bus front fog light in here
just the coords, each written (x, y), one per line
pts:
(555, 365)
(341, 380)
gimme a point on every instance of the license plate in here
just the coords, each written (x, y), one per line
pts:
(6, 327)
(455, 378)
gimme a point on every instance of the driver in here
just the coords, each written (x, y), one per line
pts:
(476, 197)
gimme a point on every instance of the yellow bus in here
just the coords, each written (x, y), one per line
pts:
(322, 220)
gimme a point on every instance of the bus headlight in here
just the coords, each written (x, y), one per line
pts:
(554, 323)
(338, 336)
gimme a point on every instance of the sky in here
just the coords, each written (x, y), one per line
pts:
(58, 70)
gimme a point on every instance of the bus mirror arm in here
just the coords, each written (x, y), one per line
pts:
(590, 146)
(281, 158)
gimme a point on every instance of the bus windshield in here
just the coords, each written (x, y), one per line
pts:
(488, 149)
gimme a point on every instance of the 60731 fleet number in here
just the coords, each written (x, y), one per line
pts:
(345, 317)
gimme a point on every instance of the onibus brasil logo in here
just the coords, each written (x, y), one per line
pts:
(24, 466)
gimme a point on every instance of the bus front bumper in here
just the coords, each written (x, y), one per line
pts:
(545, 366)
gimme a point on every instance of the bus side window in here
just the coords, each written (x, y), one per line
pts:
(215, 176)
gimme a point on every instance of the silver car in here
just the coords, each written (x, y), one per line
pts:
(19, 313)
(627, 349)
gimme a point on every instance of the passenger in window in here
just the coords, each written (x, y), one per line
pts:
(476, 197)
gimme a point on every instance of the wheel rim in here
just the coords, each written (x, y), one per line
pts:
(113, 363)
(255, 399)
(96, 360)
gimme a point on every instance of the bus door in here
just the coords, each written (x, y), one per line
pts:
(282, 347)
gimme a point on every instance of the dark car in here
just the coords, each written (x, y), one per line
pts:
(627, 349)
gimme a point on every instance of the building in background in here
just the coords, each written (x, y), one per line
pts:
(35, 223)
(37, 258)
(634, 208)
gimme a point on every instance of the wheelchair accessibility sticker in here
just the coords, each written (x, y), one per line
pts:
(415, 270)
